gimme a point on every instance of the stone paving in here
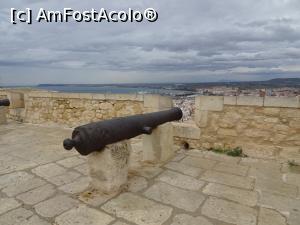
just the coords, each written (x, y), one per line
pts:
(42, 184)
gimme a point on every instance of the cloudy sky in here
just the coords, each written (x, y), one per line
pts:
(192, 41)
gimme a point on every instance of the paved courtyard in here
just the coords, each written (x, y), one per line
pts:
(42, 184)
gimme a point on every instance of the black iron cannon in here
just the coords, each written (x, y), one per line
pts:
(95, 136)
(4, 102)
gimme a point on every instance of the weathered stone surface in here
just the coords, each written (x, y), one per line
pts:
(16, 216)
(229, 212)
(276, 187)
(71, 162)
(120, 223)
(186, 130)
(270, 217)
(55, 206)
(37, 195)
(281, 102)
(84, 216)
(241, 196)
(282, 204)
(179, 180)
(230, 100)
(136, 184)
(227, 132)
(83, 169)
(184, 219)
(64, 178)
(292, 178)
(199, 162)
(212, 156)
(149, 171)
(201, 118)
(14, 178)
(232, 168)
(185, 169)
(158, 147)
(228, 179)
(178, 157)
(250, 101)
(49, 170)
(7, 204)
(109, 168)
(210, 103)
(183, 199)
(23, 186)
(94, 197)
(77, 186)
(138, 210)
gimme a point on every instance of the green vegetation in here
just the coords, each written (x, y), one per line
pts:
(292, 163)
(235, 152)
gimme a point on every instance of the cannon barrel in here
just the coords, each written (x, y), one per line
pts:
(95, 136)
(4, 102)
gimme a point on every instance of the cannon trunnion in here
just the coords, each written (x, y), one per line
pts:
(4, 102)
(95, 136)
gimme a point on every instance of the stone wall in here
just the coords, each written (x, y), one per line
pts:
(74, 109)
(264, 127)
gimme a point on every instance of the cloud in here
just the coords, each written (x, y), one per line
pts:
(192, 41)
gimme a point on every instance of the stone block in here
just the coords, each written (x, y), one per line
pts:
(231, 168)
(109, 167)
(201, 117)
(230, 100)
(241, 196)
(284, 102)
(185, 169)
(138, 210)
(157, 102)
(269, 216)
(7, 204)
(16, 100)
(159, 146)
(186, 130)
(185, 219)
(85, 216)
(3, 112)
(199, 162)
(250, 101)
(180, 180)
(209, 103)
(228, 179)
(177, 197)
(55, 206)
(229, 212)
(37, 195)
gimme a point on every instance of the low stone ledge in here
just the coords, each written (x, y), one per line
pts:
(209, 103)
(186, 130)
(124, 97)
(230, 100)
(284, 102)
(35, 94)
(157, 102)
(250, 101)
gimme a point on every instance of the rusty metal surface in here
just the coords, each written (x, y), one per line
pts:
(95, 136)
(4, 102)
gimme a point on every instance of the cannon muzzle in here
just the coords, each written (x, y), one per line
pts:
(4, 102)
(95, 136)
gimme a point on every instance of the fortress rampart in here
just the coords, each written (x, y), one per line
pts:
(264, 127)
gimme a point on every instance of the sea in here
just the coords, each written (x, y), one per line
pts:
(107, 89)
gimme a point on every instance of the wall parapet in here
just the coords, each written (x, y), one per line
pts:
(265, 127)
(267, 101)
(90, 96)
